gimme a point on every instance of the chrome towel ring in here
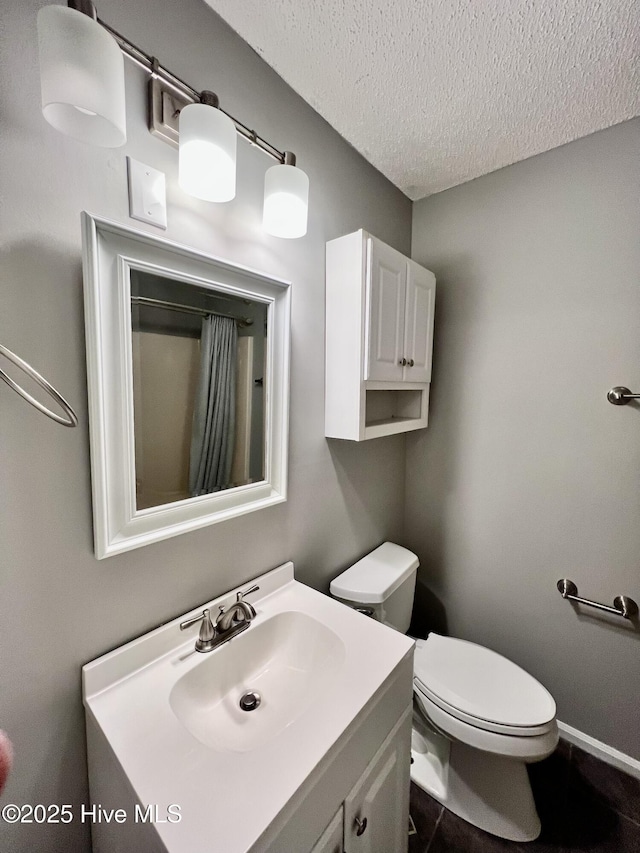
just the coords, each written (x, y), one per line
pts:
(70, 421)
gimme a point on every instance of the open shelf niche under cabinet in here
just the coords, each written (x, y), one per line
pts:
(379, 339)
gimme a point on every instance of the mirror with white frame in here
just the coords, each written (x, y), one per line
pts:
(188, 375)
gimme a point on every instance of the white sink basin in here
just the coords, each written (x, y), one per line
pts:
(290, 660)
(164, 725)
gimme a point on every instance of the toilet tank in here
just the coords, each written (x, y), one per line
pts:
(384, 581)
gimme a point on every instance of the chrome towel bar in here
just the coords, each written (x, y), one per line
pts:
(620, 396)
(622, 604)
(70, 421)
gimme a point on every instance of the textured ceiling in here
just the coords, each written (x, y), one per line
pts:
(437, 92)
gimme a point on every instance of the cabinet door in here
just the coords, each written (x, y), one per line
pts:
(384, 327)
(331, 839)
(376, 812)
(418, 323)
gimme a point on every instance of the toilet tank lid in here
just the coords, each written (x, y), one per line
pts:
(376, 576)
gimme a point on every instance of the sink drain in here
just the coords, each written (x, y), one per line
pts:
(250, 700)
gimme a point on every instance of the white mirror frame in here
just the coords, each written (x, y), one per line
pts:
(110, 251)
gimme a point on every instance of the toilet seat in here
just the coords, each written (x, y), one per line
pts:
(533, 748)
(482, 688)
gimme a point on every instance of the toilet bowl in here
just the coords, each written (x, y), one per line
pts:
(478, 717)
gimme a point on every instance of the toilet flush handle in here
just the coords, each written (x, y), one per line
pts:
(366, 611)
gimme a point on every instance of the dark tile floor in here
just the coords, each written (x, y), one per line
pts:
(584, 805)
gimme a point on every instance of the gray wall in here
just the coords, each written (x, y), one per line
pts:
(59, 607)
(526, 473)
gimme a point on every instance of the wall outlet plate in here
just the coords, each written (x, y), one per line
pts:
(147, 193)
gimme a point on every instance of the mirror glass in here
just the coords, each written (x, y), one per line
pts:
(198, 382)
(188, 379)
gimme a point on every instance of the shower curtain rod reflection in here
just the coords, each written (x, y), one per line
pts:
(188, 309)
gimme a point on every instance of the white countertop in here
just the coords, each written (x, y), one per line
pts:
(229, 798)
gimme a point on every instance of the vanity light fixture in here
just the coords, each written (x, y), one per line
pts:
(82, 78)
(207, 158)
(81, 75)
(286, 199)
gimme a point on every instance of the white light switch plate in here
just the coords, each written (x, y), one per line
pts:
(147, 193)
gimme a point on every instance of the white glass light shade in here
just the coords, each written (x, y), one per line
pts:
(207, 158)
(286, 201)
(82, 77)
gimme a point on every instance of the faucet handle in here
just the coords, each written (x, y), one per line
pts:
(251, 589)
(189, 622)
(207, 630)
(240, 599)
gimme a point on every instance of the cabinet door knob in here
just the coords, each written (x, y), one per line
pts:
(411, 362)
(361, 824)
(402, 362)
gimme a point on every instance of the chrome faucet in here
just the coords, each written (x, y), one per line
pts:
(228, 623)
(239, 612)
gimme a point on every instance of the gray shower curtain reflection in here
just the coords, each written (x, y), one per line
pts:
(214, 412)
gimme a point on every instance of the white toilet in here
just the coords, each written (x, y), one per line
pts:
(478, 717)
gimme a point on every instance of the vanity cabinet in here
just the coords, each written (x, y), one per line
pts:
(374, 815)
(377, 809)
(379, 339)
(329, 760)
(331, 839)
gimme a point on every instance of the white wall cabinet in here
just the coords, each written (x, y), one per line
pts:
(418, 325)
(399, 301)
(385, 293)
(379, 339)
